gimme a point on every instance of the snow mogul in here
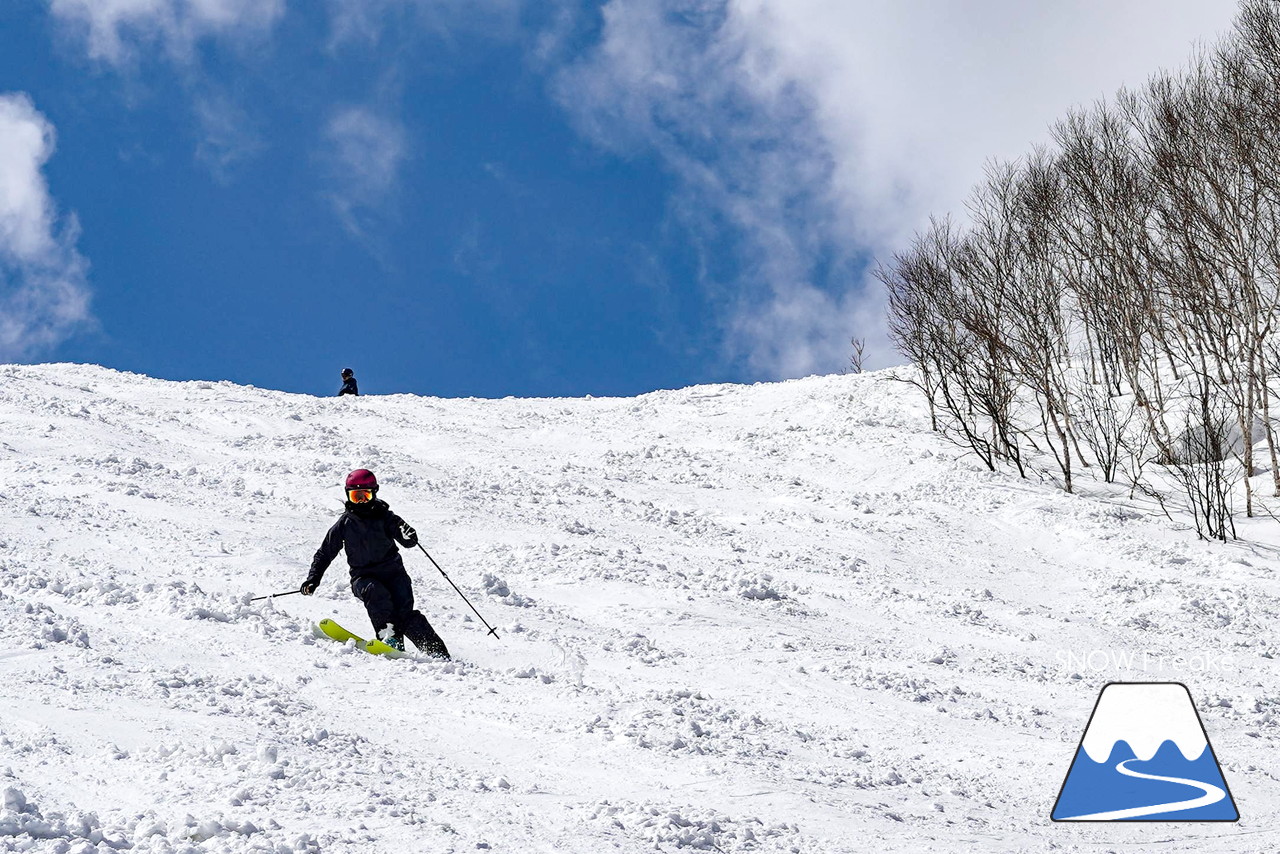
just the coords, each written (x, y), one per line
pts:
(369, 532)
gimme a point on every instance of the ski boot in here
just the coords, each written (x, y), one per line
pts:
(391, 639)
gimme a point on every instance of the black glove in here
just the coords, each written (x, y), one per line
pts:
(410, 535)
(308, 587)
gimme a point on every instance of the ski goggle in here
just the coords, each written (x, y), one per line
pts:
(359, 496)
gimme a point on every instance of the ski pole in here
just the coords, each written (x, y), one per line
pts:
(273, 595)
(491, 629)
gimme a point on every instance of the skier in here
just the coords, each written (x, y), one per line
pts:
(349, 383)
(369, 531)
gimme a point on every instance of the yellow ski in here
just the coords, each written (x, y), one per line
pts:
(330, 629)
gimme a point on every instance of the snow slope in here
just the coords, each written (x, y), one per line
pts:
(735, 618)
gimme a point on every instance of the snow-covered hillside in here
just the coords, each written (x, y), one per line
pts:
(734, 618)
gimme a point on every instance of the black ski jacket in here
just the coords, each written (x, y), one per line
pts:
(369, 534)
(349, 387)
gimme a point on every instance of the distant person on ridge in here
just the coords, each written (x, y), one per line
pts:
(369, 531)
(349, 383)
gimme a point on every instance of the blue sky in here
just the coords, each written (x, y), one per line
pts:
(501, 197)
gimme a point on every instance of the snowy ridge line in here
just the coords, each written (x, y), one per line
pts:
(759, 618)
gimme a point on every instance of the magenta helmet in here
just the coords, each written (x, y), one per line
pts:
(362, 479)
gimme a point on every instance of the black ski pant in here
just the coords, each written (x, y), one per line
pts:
(388, 597)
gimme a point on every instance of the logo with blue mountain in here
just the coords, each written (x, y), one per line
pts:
(1145, 756)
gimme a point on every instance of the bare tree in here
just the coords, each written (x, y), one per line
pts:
(858, 356)
(1122, 282)
(1104, 232)
(927, 320)
(1204, 467)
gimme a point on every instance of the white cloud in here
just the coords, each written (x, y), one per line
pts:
(114, 29)
(365, 20)
(227, 135)
(364, 151)
(122, 33)
(827, 131)
(43, 293)
(912, 96)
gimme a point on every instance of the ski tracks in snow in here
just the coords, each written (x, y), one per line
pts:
(768, 618)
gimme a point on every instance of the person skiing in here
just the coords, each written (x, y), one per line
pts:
(349, 383)
(369, 532)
